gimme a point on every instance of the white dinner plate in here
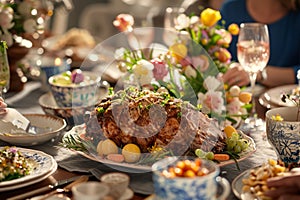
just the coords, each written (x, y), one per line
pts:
(44, 164)
(79, 130)
(274, 95)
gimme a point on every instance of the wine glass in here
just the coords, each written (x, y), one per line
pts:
(142, 35)
(4, 69)
(253, 52)
(170, 22)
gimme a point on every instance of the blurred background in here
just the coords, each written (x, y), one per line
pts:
(97, 16)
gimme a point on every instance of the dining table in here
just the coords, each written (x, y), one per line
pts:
(71, 164)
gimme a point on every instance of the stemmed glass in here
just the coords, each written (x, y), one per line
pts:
(142, 35)
(170, 22)
(4, 69)
(253, 52)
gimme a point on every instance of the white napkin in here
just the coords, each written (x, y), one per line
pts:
(16, 118)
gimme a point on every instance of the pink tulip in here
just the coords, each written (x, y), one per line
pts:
(124, 22)
(160, 69)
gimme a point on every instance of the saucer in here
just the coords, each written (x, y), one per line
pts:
(128, 194)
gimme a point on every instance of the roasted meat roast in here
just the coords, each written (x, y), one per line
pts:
(149, 118)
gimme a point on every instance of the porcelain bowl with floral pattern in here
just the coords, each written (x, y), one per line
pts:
(75, 94)
(72, 115)
(283, 133)
(198, 187)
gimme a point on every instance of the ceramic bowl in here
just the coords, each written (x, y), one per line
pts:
(284, 135)
(189, 188)
(72, 115)
(53, 127)
(75, 95)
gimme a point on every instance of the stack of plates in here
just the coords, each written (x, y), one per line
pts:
(45, 165)
(272, 97)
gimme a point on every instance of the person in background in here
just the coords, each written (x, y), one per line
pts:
(2, 106)
(285, 187)
(283, 20)
(196, 6)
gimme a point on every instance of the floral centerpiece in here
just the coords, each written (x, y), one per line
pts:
(20, 17)
(190, 67)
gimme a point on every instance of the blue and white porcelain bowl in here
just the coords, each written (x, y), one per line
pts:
(284, 135)
(199, 187)
(75, 95)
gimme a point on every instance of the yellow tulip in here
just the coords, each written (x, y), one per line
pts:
(210, 17)
(233, 29)
(178, 51)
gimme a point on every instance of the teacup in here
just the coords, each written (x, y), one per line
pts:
(198, 187)
(91, 190)
(284, 135)
(118, 183)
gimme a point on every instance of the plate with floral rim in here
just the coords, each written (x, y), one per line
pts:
(41, 162)
(79, 130)
(30, 182)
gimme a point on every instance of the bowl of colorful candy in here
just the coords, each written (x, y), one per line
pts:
(76, 88)
(184, 178)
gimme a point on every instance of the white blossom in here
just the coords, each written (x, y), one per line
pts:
(143, 72)
(211, 101)
(211, 83)
(119, 53)
(194, 20)
(183, 22)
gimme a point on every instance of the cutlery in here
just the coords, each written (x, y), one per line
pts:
(45, 188)
(66, 189)
(20, 121)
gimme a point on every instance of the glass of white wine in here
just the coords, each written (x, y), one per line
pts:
(170, 22)
(4, 69)
(253, 52)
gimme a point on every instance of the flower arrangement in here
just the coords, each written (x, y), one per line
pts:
(213, 37)
(19, 17)
(190, 67)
